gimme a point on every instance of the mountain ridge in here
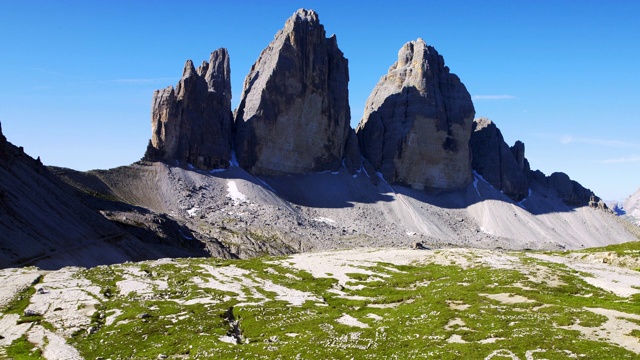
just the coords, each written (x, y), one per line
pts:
(191, 195)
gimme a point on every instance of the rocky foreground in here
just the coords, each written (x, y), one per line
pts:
(365, 303)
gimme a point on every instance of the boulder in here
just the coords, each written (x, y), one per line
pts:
(504, 167)
(294, 114)
(417, 122)
(193, 122)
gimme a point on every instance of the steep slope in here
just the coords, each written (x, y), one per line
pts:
(247, 215)
(45, 222)
(632, 207)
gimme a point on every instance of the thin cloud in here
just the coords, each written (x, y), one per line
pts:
(630, 159)
(492, 97)
(568, 139)
(139, 81)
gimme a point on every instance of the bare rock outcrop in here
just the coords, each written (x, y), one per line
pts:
(294, 114)
(193, 122)
(632, 207)
(505, 168)
(418, 121)
(352, 155)
(570, 191)
(3, 143)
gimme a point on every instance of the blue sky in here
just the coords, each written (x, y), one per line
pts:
(562, 76)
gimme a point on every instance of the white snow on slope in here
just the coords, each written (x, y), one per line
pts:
(234, 193)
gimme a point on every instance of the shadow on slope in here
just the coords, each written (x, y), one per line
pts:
(327, 210)
(340, 190)
(44, 222)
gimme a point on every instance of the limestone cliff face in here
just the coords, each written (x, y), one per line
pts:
(417, 122)
(505, 168)
(193, 122)
(294, 114)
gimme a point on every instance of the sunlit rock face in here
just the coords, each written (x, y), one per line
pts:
(193, 122)
(417, 122)
(294, 114)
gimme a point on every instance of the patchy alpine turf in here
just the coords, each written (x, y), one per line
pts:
(363, 304)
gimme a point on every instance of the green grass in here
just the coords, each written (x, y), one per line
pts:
(22, 349)
(22, 299)
(631, 248)
(407, 312)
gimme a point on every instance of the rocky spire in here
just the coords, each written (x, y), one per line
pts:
(3, 140)
(505, 168)
(193, 123)
(294, 114)
(417, 122)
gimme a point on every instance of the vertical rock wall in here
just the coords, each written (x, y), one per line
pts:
(294, 112)
(193, 123)
(505, 168)
(417, 122)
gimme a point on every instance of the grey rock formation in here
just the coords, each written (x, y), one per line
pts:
(417, 122)
(570, 191)
(505, 168)
(193, 123)
(352, 156)
(294, 113)
(632, 207)
(3, 143)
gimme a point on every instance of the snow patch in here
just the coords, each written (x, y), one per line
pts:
(351, 321)
(324, 220)
(521, 202)
(477, 177)
(193, 211)
(234, 193)
(234, 159)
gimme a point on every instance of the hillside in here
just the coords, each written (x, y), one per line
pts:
(632, 207)
(368, 303)
(44, 221)
(235, 211)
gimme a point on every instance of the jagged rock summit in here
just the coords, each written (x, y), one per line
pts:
(504, 167)
(3, 142)
(507, 169)
(294, 112)
(417, 122)
(193, 123)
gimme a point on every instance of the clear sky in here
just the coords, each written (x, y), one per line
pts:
(562, 76)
